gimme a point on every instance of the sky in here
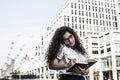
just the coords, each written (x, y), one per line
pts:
(21, 22)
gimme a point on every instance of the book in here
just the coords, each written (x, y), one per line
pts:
(84, 65)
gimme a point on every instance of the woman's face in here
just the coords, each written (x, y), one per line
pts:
(69, 39)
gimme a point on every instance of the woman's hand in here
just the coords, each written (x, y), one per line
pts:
(71, 62)
(79, 70)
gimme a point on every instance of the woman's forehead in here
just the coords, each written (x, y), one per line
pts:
(67, 34)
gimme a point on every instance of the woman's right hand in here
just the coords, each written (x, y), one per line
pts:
(71, 62)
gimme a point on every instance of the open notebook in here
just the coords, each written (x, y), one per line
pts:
(85, 65)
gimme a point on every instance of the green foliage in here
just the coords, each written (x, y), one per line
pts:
(15, 72)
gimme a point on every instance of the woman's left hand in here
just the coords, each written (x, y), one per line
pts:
(79, 70)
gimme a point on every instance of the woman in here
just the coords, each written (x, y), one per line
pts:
(64, 50)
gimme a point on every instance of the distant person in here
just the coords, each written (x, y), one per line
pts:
(64, 50)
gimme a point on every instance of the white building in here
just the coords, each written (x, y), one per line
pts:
(95, 22)
(106, 49)
(88, 16)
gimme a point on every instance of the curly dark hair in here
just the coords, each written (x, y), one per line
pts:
(58, 39)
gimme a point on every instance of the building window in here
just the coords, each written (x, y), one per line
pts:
(80, 19)
(38, 70)
(79, 6)
(68, 18)
(82, 13)
(72, 19)
(86, 13)
(71, 11)
(103, 10)
(96, 15)
(83, 26)
(102, 51)
(89, 14)
(119, 6)
(93, 8)
(75, 19)
(90, 21)
(89, 8)
(85, 1)
(93, 14)
(83, 33)
(64, 17)
(75, 12)
(97, 22)
(87, 20)
(80, 26)
(75, 6)
(79, 12)
(108, 49)
(82, 1)
(68, 24)
(103, 16)
(71, 5)
(100, 15)
(95, 52)
(96, 9)
(82, 6)
(94, 43)
(75, 26)
(86, 7)
(83, 20)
